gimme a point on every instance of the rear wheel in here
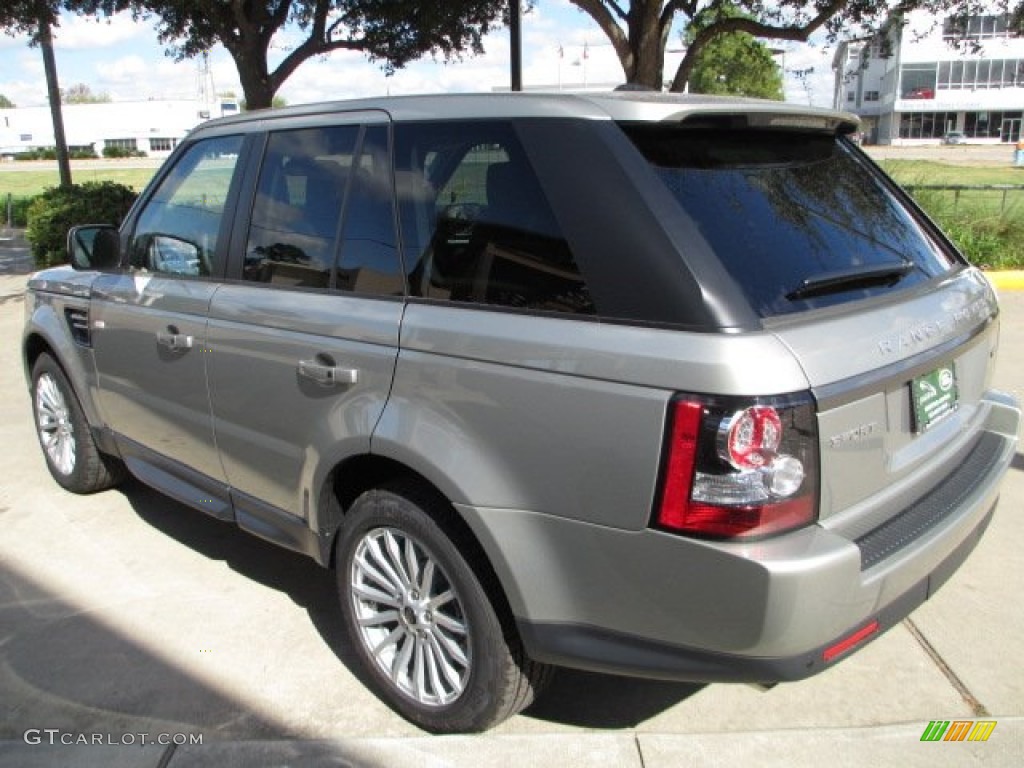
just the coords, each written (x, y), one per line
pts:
(71, 453)
(421, 619)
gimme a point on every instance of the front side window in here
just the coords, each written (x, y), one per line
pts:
(178, 230)
(796, 219)
(476, 223)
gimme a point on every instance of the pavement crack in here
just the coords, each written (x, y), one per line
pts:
(639, 750)
(969, 698)
(165, 758)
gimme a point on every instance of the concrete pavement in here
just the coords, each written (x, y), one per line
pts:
(125, 618)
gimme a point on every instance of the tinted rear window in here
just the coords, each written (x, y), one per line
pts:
(795, 218)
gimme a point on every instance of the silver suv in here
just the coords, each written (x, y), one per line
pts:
(664, 386)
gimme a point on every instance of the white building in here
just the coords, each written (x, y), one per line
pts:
(152, 127)
(922, 77)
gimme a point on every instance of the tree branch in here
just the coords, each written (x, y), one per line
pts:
(599, 12)
(615, 7)
(668, 13)
(308, 49)
(799, 33)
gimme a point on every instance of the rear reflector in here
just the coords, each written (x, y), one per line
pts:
(847, 643)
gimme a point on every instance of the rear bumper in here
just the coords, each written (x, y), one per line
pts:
(653, 604)
(599, 650)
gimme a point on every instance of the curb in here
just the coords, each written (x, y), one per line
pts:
(1007, 280)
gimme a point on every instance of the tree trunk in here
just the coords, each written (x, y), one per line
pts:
(258, 87)
(647, 40)
(53, 91)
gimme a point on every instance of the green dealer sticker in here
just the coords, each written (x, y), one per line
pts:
(934, 397)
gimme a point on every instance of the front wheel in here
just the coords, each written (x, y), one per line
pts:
(71, 453)
(421, 619)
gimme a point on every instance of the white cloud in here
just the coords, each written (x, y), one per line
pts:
(816, 88)
(87, 32)
(125, 69)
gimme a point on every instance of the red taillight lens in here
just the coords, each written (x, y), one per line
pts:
(739, 472)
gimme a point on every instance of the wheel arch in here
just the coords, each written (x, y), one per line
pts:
(356, 475)
(47, 334)
(35, 345)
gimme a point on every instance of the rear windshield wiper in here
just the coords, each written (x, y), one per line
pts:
(851, 279)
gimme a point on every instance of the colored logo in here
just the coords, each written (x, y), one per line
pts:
(958, 730)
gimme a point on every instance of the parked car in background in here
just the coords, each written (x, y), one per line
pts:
(670, 386)
(954, 137)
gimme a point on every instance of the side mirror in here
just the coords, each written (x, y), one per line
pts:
(94, 246)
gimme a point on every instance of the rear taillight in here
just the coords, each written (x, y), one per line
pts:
(735, 469)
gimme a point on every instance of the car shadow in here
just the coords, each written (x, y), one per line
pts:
(573, 697)
(303, 580)
(593, 700)
(1018, 461)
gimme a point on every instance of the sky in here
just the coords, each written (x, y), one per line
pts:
(124, 59)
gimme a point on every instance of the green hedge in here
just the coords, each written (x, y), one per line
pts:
(118, 152)
(54, 212)
(50, 153)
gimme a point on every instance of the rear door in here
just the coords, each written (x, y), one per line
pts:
(305, 336)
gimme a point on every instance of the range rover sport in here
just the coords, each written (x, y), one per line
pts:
(667, 386)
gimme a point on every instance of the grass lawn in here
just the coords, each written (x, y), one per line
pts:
(931, 172)
(986, 225)
(20, 182)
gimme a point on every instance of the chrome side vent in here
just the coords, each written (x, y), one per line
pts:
(78, 324)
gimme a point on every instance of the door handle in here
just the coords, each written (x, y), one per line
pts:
(173, 340)
(326, 373)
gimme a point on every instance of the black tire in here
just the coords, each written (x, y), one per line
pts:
(489, 677)
(64, 435)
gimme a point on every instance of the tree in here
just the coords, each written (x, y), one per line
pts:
(639, 29)
(394, 32)
(80, 93)
(6, 103)
(734, 64)
(37, 18)
(737, 65)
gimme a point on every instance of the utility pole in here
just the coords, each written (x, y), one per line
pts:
(53, 91)
(515, 26)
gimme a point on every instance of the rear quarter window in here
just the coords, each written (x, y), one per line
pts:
(797, 219)
(477, 225)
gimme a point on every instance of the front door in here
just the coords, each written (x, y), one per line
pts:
(149, 328)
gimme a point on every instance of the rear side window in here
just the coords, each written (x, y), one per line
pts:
(368, 259)
(476, 224)
(297, 209)
(323, 216)
(794, 217)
